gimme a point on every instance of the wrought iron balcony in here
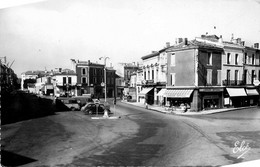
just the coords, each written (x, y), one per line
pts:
(233, 82)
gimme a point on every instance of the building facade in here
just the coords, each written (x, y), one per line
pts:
(193, 79)
(90, 79)
(154, 71)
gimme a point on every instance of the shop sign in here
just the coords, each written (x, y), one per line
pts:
(211, 90)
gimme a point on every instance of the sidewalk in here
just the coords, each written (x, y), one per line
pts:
(205, 112)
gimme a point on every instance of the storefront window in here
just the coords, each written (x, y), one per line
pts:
(211, 103)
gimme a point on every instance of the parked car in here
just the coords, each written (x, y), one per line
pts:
(71, 103)
(93, 108)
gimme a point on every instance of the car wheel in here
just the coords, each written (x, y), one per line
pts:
(72, 109)
(90, 112)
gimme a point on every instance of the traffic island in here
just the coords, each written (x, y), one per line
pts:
(114, 117)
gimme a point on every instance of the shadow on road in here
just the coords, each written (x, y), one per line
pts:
(19, 106)
(12, 159)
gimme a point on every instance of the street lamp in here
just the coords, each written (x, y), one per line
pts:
(105, 78)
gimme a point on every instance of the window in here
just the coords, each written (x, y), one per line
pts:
(253, 59)
(209, 76)
(219, 77)
(69, 80)
(83, 71)
(145, 75)
(245, 76)
(173, 59)
(64, 80)
(253, 76)
(152, 74)
(94, 71)
(209, 60)
(108, 80)
(236, 59)
(94, 80)
(236, 77)
(112, 80)
(228, 58)
(259, 75)
(148, 75)
(83, 80)
(172, 78)
(228, 77)
(245, 58)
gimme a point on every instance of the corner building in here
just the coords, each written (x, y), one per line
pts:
(194, 76)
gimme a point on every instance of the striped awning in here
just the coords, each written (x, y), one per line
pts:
(251, 92)
(161, 92)
(178, 93)
(236, 92)
(145, 91)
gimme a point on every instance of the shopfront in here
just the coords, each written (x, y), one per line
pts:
(178, 97)
(146, 95)
(252, 96)
(212, 98)
(235, 97)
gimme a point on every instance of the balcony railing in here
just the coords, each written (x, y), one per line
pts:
(233, 82)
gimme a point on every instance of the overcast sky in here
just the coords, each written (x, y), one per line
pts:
(41, 34)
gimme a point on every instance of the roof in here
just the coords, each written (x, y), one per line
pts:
(150, 55)
(232, 45)
(193, 44)
(34, 72)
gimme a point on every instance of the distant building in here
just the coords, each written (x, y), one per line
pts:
(90, 78)
(9, 80)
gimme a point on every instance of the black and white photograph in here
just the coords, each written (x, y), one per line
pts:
(135, 83)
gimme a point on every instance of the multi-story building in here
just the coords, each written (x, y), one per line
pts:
(208, 73)
(28, 79)
(240, 65)
(63, 82)
(9, 80)
(90, 78)
(193, 75)
(154, 76)
(120, 85)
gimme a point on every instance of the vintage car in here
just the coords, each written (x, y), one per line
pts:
(95, 108)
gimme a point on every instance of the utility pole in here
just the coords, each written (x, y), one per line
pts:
(105, 75)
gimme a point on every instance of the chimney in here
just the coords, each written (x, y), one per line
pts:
(153, 51)
(168, 44)
(88, 62)
(256, 45)
(220, 40)
(243, 43)
(238, 40)
(185, 41)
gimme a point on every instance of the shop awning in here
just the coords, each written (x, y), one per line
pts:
(145, 91)
(178, 93)
(161, 92)
(236, 92)
(251, 92)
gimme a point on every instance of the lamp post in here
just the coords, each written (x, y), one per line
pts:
(105, 75)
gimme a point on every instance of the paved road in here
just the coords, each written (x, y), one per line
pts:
(167, 140)
(140, 137)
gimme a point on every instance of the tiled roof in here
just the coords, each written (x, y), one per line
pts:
(34, 72)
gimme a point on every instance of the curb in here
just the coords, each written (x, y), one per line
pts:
(106, 117)
(194, 113)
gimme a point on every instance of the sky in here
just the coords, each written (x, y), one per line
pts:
(46, 34)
